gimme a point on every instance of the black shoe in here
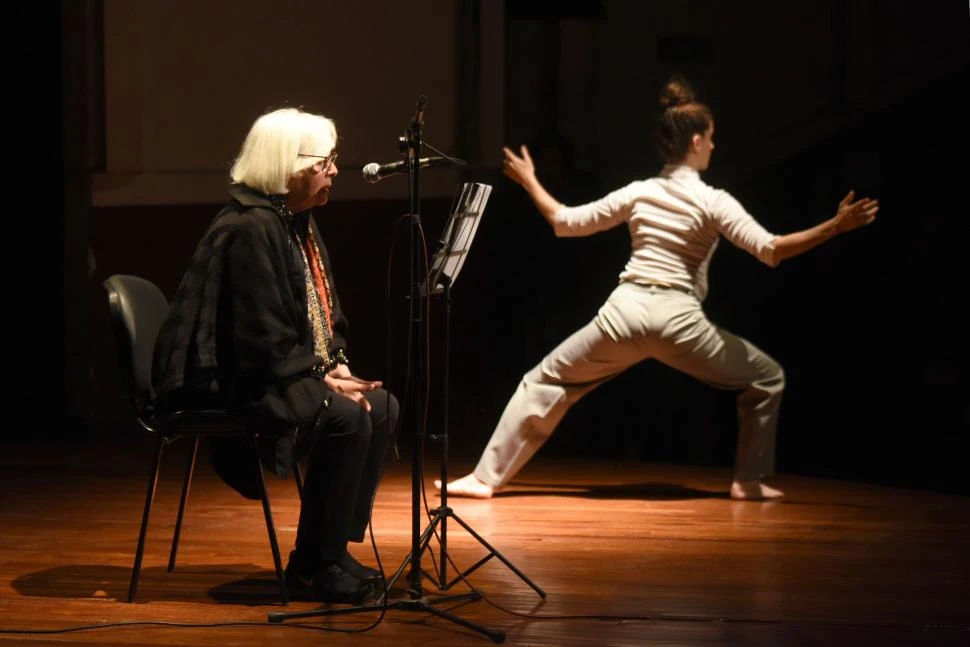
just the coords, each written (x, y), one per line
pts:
(299, 585)
(331, 584)
(358, 570)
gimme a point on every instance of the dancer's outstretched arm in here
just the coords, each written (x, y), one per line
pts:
(850, 215)
(521, 170)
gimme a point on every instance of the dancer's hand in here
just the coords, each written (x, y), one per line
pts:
(520, 170)
(854, 214)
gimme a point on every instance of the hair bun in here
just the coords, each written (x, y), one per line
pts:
(676, 92)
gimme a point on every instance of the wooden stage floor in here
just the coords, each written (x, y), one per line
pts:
(628, 554)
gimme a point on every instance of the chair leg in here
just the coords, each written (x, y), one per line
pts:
(149, 497)
(271, 529)
(186, 484)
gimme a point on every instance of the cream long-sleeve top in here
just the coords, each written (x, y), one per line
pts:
(675, 221)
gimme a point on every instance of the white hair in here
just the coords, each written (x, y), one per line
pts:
(270, 156)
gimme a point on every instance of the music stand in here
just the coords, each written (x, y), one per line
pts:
(446, 264)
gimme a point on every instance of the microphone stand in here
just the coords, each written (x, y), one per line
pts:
(418, 601)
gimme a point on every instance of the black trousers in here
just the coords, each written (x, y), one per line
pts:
(345, 452)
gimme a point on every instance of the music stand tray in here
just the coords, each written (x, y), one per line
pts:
(456, 240)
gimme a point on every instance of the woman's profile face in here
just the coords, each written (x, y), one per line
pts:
(311, 186)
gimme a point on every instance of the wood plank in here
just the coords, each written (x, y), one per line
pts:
(629, 554)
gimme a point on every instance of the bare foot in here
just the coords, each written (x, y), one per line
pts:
(468, 486)
(753, 491)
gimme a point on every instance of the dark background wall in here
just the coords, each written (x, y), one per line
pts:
(810, 101)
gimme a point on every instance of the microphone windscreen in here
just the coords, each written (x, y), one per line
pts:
(371, 172)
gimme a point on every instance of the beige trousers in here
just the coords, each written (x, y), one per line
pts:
(637, 323)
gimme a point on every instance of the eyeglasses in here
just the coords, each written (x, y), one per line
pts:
(326, 161)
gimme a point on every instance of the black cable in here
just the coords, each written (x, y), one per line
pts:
(186, 625)
(454, 160)
(402, 414)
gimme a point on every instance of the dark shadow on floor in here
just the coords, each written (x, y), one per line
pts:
(643, 491)
(244, 584)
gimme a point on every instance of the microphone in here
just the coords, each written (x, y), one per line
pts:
(375, 172)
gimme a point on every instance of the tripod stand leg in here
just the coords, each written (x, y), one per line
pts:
(422, 545)
(442, 512)
(492, 634)
(423, 605)
(492, 550)
(280, 616)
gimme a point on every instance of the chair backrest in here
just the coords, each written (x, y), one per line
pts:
(137, 308)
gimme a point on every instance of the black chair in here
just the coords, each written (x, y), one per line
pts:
(137, 308)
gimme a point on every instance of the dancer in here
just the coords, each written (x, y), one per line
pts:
(675, 222)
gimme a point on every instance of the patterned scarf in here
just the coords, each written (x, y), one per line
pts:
(319, 296)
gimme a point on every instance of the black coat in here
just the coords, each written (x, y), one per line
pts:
(237, 334)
